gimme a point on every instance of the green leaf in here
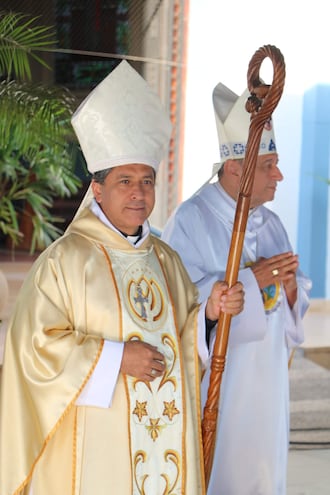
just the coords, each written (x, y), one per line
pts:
(19, 39)
(36, 159)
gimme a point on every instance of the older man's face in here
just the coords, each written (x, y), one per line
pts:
(267, 175)
(127, 196)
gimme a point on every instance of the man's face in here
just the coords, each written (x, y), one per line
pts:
(127, 196)
(267, 174)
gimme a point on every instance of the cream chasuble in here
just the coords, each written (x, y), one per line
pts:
(88, 286)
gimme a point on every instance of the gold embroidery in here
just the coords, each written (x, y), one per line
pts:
(154, 428)
(170, 410)
(144, 294)
(156, 421)
(271, 297)
(145, 298)
(170, 344)
(140, 409)
(140, 457)
(170, 456)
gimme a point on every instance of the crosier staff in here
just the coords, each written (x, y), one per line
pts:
(261, 104)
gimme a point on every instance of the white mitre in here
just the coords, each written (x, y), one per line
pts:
(233, 122)
(121, 122)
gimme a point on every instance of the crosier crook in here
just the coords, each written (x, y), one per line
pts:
(261, 104)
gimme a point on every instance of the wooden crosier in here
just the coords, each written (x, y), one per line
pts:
(261, 104)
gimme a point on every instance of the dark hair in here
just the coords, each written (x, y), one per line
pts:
(220, 171)
(101, 175)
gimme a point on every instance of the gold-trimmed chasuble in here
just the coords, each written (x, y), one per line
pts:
(84, 291)
(156, 411)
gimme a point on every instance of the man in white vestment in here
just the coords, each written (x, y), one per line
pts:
(107, 340)
(253, 422)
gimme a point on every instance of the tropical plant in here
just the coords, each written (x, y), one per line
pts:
(36, 159)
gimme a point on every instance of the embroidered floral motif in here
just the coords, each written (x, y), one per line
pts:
(170, 410)
(140, 409)
(154, 428)
(171, 480)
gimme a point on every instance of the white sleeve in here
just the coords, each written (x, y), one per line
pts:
(251, 324)
(99, 389)
(294, 329)
(203, 350)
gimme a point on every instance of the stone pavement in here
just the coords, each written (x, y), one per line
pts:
(309, 403)
(309, 455)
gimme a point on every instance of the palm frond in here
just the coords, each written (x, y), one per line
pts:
(30, 111)
(36, 160)
(19, 39)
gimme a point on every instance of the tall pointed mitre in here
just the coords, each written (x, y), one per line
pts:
(121, 122)
(233, 122)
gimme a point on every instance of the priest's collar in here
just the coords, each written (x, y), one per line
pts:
(136, 240)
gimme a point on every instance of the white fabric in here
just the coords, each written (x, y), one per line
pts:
(203, 350)
(122, 121)
(99, 389)
(253, 428)
(232, 122)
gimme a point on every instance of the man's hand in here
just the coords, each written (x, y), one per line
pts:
(280, 268)
(223, 299)
(142, 361)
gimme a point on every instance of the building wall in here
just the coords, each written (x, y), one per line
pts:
(157, 48)
(313, 233)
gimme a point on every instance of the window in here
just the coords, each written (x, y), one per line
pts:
(99, 26)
